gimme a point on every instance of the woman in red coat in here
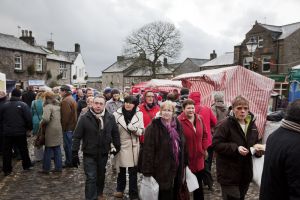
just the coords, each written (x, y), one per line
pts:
(196, 140)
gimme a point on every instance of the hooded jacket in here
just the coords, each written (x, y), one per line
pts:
(209, 119)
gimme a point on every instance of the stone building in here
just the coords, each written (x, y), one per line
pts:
(21, 61)
(276, 50)
(189, 65)
(94, 82)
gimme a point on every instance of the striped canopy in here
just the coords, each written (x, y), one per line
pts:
(233, 81)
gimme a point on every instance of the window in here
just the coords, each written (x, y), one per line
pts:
(266, 64)
(63, 70)
(260, 42)
(127, 80)
(39, 64)
(247, 61)
(18, 62)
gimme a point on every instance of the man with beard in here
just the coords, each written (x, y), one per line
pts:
(97, 129)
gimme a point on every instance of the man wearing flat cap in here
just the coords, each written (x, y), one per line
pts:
(68, 121)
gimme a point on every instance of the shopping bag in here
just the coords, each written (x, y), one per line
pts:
(258, 164)
(191, 180)
(40, 137)
(149, 189)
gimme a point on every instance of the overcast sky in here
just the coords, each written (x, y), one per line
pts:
(101, 26)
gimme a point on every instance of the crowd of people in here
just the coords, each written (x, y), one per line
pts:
(156, 137)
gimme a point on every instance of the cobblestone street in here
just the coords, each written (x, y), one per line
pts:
(70, 185)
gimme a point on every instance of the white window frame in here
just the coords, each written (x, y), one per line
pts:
(38, 64)
(260, 41)
(246, 64)
(18, 63)
(63, 70)
(263, 63)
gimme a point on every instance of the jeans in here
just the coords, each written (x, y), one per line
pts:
(68, 147)
(94, 169)
(121, 181)
(21, 143)
(57, 158)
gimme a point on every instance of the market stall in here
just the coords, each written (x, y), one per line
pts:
(157, 85)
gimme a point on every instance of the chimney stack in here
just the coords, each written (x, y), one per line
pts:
(120, 58)
(27, 37)
(77, 48)
(213, 55)
(50, 45)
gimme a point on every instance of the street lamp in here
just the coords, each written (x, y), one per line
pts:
(251, 46)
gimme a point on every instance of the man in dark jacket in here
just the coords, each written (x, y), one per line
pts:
(97, 129)
(281, 172)
(16, 119)
(28, 96)
(232, 141)
(68, 121)
(2, 101)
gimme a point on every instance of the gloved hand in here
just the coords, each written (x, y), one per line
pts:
(75, 159)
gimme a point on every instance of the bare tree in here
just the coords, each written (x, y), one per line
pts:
(154, 40)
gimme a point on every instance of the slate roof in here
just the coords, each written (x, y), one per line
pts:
(147, 71)
(173, 66)
(225, 59)
(198, 61)
(120, 66)
(11, 42)
(285, 30)
(56, 55)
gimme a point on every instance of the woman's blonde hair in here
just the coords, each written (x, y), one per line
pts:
(40, 95)
(167, 104)
(49, 98)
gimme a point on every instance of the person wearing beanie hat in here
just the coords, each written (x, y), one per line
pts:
(114, 103)
(130, 123)
(16, 120)
(107, 93)
(219, 109)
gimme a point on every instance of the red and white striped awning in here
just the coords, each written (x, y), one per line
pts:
(233, 81)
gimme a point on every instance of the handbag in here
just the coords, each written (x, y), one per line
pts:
(149, 189)
(183, 191)
(191, 180)
(40, 138)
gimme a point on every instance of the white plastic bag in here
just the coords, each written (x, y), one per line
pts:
(258, 164)
(149, 189)
(191, 180)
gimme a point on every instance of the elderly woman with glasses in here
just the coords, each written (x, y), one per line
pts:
(164, 152)
(232, 141)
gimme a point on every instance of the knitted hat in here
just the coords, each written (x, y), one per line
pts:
(16, 92)
(107, 90)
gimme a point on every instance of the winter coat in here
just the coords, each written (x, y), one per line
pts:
(112, 106)
(95, 140)
(148, 115)
(206, 113)
(233, 168)
(53, 133)
(28, 97)
(281, 172)
(196, 141)
(68, 113)
(81, 103)
(157, 155)
(130, 145)
(37, 113)
(15, 117)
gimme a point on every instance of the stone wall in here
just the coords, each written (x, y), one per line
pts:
(116, 79)
(7, 66)
(53, 67)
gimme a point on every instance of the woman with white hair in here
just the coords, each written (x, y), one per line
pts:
(163, 152)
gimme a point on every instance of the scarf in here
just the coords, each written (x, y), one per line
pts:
(128, 115)
(171, 128)
(99, 116)
(293, 126)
